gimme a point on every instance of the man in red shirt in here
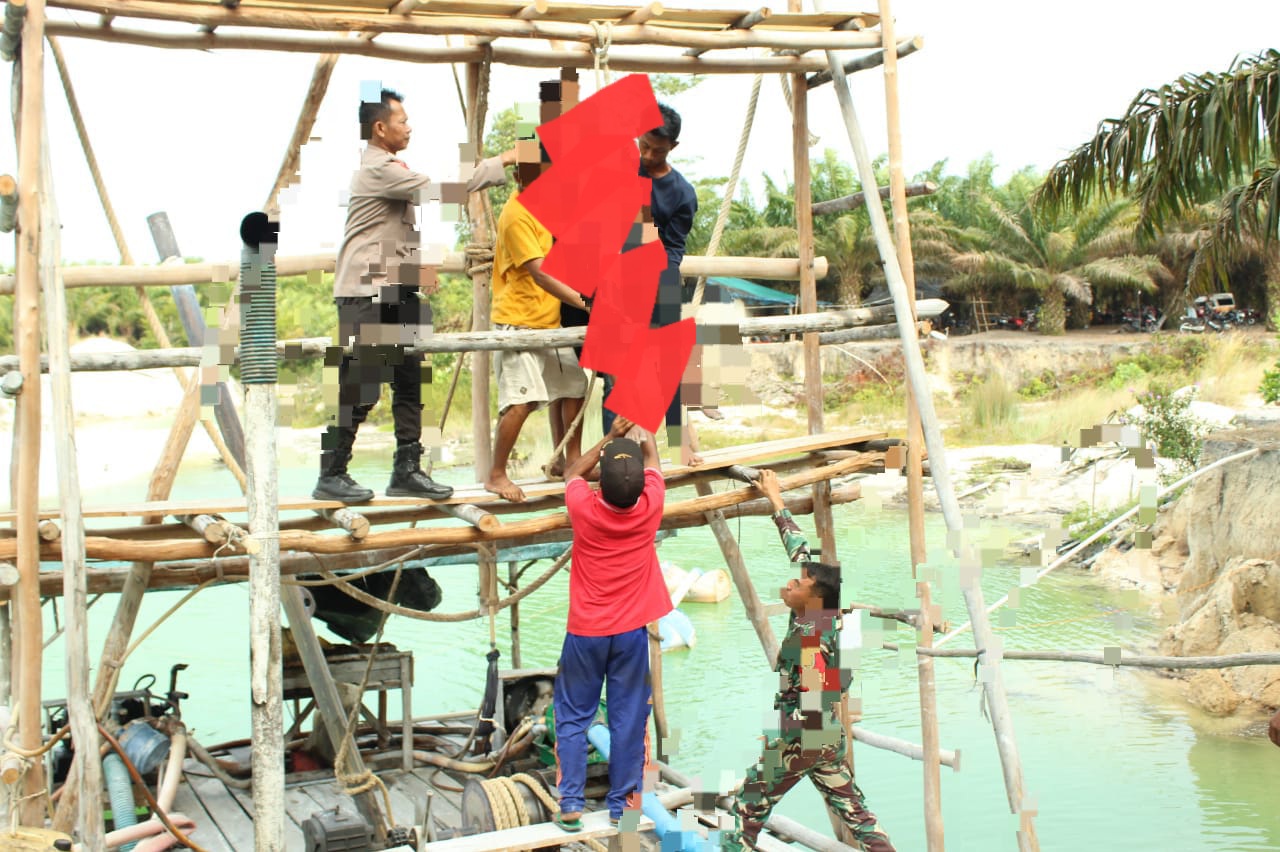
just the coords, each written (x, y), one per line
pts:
(615, 591)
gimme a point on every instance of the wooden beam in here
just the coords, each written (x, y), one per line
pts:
(619, 59)
(741, 578)
(871, 60)
(28, 633)
(746, 22)
(356, 525)
(115, 549)
(846, 203)
(479, 214)
(288, 173)
(775, 268)
(643, 34)
(642, 15)
(232, 569)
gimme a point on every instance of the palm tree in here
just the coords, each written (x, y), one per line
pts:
(1201, 137)
(1058, 257)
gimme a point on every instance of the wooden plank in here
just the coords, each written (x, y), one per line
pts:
(595, 826)
(206, 832)
(293, 838)
(231, 819)
(713, 460)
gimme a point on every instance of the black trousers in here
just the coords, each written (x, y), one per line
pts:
(379, 333)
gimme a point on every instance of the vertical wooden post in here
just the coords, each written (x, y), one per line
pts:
(74, 578)
(481, 434)
(512, 573)
(915, 443)
(26, 325)
(992, 681)
(258, 371)
(657, 698)
(741, 578)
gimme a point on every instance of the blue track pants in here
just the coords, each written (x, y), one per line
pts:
(586, 664)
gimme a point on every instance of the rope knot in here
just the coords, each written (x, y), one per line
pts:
(600, 50)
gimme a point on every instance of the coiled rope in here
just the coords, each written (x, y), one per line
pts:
(508, 806)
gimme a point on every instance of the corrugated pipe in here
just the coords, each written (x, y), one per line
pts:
(120, 791)
(259, 364)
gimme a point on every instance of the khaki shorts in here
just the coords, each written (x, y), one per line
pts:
(537, 376)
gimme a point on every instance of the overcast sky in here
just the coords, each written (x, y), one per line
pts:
(201, 135)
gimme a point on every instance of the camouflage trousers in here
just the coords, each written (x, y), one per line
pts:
(783, 763)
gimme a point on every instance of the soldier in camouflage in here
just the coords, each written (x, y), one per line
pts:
(809, 740)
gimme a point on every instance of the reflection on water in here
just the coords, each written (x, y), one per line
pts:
(1110, 757)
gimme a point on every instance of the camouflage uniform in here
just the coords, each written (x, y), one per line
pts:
(810, 739)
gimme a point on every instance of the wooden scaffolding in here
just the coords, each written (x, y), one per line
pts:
(802, 47)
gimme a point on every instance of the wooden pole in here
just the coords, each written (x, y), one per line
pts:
(845, 203)
(259, 375)
(513, 576)
(778, 268)
(741, 577)
(813, 38)
(288, 173)
(657, 697)
(993, 683)
(84, 728)
(915, 445)
(527, 57)
(26, 324)
(906, 47)
(481, 435)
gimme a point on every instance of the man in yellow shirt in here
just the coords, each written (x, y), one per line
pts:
(525, 297)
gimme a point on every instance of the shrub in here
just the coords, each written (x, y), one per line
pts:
(1270, 387)
(1166, 420)
(1127, 374)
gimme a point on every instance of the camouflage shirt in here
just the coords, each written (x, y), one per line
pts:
(808, 663)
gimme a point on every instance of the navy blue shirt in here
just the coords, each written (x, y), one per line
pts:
(673, 204)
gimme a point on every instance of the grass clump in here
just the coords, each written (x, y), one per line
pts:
(992, 403)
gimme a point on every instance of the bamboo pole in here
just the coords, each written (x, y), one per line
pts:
(657, 697)
(993, 683)
(479, 518)
(906, 749)
(915, 444)
(355, 524)
(741, 577)
(115, 549)
(906, 47)
(288, 173)
(462, 25)
(76, 641)
(778, 268)
(230, 569)
(746, 22)
(619, 60)
(26, 324)
(846, 203)
(1113, 659)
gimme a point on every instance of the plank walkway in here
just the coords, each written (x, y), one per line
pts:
(745, 454)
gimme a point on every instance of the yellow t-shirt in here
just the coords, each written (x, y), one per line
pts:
(517, 299)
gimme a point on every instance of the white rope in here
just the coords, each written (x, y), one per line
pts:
(731, 188)
(600, 50)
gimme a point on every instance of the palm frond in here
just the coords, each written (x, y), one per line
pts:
(1074, 286)
(1199, 133)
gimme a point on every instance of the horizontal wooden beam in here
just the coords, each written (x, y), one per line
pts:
(460, 25)
(168, 275)
(906, 47)
(845, 203)
(746, 22)
(619, 59)
(480, 341)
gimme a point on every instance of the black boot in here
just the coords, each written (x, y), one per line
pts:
(334, 483)
(408, 479)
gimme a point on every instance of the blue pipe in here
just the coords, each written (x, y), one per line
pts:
(665, 824)
(120, 790)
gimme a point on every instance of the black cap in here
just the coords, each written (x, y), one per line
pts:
(621, 472)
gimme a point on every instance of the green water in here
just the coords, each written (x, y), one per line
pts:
(1110, 757)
